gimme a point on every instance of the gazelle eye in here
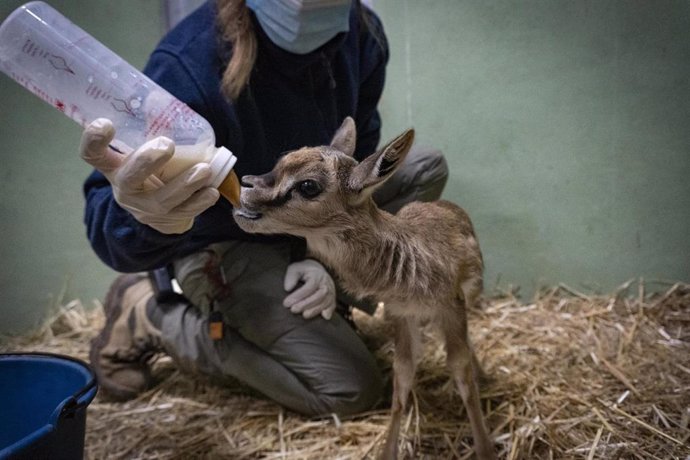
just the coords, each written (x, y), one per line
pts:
(309, 188)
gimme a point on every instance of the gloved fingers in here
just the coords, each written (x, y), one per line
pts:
(181, 218)
(328, 312)
(293, 275)
(303, 269)
(324, 309)
(181, 188)
(182, 214)
(317, 299)
(144, 162)
(94, 149)
(314, 311)
(305, 290)
(199, 202)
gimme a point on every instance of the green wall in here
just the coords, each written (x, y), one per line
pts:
(566, 126)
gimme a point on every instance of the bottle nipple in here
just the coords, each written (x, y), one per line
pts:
(230, 189)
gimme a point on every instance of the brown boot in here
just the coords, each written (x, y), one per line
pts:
(121, 353)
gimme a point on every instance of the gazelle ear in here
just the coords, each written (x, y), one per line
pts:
(378, 167)
(345, 138)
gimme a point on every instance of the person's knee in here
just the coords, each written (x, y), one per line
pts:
(364, 389)
(429, 170)
(370, 392)
(421, 177)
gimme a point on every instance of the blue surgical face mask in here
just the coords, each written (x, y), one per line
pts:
(301, 26)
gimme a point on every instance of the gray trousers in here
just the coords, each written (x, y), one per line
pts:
(310, 366)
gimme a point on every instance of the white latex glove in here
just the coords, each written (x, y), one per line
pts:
(168, 207)
(316, 295)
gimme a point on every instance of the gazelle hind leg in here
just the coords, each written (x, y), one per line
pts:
(407, 348)
(461, 365)
(471, 290)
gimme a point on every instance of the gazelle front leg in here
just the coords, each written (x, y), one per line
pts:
(407, 346)
(461, 364)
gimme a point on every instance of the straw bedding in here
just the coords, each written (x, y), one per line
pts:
(573, 375)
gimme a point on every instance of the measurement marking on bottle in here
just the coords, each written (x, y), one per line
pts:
(30, 48)
(175, 113)
(60, 64)
(122, 106)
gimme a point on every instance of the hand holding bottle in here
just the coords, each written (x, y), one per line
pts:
(169, 207)
(63, 65)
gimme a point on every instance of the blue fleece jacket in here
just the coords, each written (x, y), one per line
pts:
(291, 101)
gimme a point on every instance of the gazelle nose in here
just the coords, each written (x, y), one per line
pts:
(264, 180)
(248, 181)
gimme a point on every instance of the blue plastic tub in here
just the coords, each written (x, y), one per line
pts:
(43, 400)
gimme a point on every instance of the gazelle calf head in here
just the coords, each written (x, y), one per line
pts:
(311, 189)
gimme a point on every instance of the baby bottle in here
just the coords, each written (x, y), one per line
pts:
(67, 68)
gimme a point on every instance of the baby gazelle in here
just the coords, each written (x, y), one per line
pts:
(424, 262)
